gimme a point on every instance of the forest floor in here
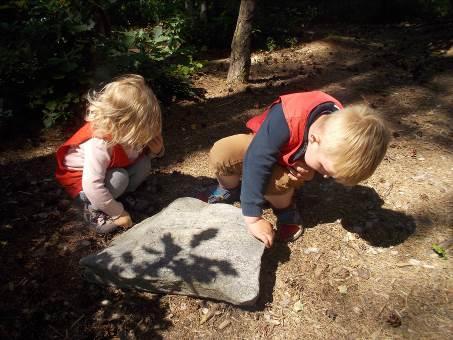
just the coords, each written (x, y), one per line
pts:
(364, 268)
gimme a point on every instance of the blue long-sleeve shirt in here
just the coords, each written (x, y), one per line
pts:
(264, 151)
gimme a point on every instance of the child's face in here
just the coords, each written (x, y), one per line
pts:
(316, 158)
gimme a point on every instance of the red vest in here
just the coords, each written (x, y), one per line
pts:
(72, 180)
(297, 108)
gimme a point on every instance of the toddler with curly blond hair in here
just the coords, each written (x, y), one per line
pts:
(111, 153)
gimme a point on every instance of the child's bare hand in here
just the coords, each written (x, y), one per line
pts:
(301, 171)
(124, 220)
(263, 231)
(156, 144)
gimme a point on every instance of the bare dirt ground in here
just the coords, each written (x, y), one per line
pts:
(365, 267)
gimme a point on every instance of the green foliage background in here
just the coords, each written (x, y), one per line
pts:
(53, 51)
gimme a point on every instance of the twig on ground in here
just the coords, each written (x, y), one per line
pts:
(382, 309)
(77, 321)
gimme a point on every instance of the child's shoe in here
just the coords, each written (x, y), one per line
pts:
(288, 224)
(217, 194)
(98, 220)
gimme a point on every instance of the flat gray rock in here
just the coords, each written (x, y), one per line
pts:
(189, 248)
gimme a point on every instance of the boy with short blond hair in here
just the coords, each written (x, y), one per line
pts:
(299, 134)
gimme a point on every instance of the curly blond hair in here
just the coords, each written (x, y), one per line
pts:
(125, 111)
(355, 140)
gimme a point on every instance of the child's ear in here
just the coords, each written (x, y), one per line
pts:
(313, 138)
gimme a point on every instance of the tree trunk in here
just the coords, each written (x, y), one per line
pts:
(239, 70)
(188, 4)
(203, 11)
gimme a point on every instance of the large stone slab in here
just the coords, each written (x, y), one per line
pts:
(189, 248)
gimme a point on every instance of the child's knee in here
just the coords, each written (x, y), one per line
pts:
(227, 154)
(218, 154)
(116, 181)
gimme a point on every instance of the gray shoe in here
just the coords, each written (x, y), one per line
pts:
(97, 220)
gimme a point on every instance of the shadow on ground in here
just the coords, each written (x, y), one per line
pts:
(359, 209)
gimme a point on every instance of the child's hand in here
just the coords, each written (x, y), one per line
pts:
(156, 144)
(301, 171)
(124, 220)
(261, 229)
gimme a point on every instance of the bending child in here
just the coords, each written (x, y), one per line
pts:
(299, 134)
(111, 154)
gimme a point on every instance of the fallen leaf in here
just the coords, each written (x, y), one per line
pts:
(439, 250)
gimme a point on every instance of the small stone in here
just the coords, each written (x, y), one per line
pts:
(205, 310)
(394, 252)
(298, 306)
(343, 289)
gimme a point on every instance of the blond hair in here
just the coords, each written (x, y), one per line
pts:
(125, 111)
(355, 140)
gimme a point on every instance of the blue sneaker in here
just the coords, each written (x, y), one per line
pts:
(217, 194)
(289, 227)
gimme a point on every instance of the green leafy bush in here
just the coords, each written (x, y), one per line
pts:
(55, 50)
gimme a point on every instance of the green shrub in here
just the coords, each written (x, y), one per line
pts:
(55, 50)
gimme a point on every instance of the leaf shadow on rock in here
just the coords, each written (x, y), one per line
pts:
(190, 269)
(360, 210)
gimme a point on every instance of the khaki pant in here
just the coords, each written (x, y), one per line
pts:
(226, 158)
